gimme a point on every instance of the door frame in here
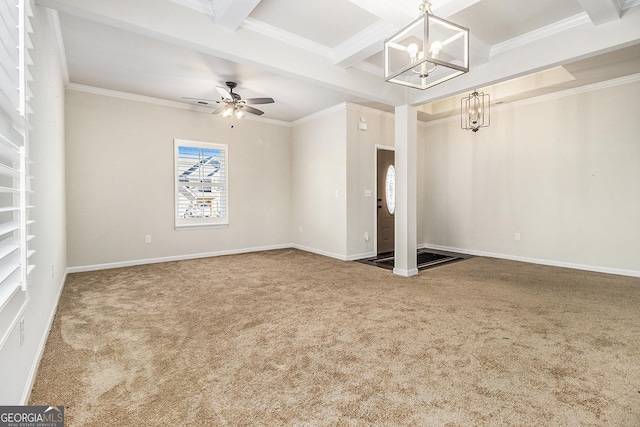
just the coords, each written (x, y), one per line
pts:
(375, 181)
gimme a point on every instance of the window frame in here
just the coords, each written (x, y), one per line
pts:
(187, 223)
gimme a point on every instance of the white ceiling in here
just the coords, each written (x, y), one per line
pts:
(312, 55)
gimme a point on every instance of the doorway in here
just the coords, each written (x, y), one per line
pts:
(386, 195)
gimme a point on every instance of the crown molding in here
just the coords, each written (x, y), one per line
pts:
(370, 68)
(541, 33)
(550, 97)
(254, 118)
(318, 114)
(163, 102)
(344, 106)
(480, 51)
(133, 97)
(578, 90)
(369, 110)
(629, 4)
(286, 37)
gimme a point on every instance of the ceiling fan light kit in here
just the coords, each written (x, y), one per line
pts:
(427, 52)
(232, 104)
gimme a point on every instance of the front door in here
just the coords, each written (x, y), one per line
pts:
(386, 190)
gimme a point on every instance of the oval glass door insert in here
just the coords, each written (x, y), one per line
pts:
(390, 189)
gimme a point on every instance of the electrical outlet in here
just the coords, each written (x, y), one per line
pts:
(53, 272)
(517, 237)
(147, 238)
(21, 331)
(300, 229)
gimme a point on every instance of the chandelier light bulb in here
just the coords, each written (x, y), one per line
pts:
(476, 110)
(412, 50)
(436, 47)
(239, 113)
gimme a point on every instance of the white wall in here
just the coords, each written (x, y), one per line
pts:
(18, 363)
(563, 172)
(319, 183)
(120, 182)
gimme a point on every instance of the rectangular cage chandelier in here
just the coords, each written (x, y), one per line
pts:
(427, 52)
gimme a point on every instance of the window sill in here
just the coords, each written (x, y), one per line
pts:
(192, 226)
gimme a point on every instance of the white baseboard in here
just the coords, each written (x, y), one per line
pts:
(599, 269)
(320, 252)
(405, 273)
(26, 394)
(595, 268)
(361, 256)
(80, 269)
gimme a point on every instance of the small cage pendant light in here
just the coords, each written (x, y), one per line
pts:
(475, 113)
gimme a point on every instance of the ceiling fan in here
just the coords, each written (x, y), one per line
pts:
(232, 103)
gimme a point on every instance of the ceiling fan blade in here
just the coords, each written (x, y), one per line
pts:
(252, 110)
(254, 101)
(202, 101)
(219, 109)
(223, 92)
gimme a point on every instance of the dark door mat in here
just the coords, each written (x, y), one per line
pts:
(426, 258)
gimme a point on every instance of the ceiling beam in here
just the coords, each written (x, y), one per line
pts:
(394, 12)
(575, 43)
(231, 14)
(402, 12)
(447, 8)
(204, 6)
(361, 46)
(393, 15)
(602, 11)
(194, 30)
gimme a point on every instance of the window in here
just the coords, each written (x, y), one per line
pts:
(201, 184)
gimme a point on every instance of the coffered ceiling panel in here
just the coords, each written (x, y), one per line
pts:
(312, 55)
(327, 22)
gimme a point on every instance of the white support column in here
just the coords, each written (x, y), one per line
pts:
(406, 144)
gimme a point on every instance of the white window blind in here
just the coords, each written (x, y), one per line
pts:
(15, 181)
(200, 183)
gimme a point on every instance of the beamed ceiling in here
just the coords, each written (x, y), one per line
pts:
(312, 55)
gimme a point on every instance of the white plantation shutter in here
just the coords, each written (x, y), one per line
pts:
(200, 184)
(15, 27)
(10, 52)
(15, 181)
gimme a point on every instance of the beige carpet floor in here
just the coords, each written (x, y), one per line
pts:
(289, 338)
